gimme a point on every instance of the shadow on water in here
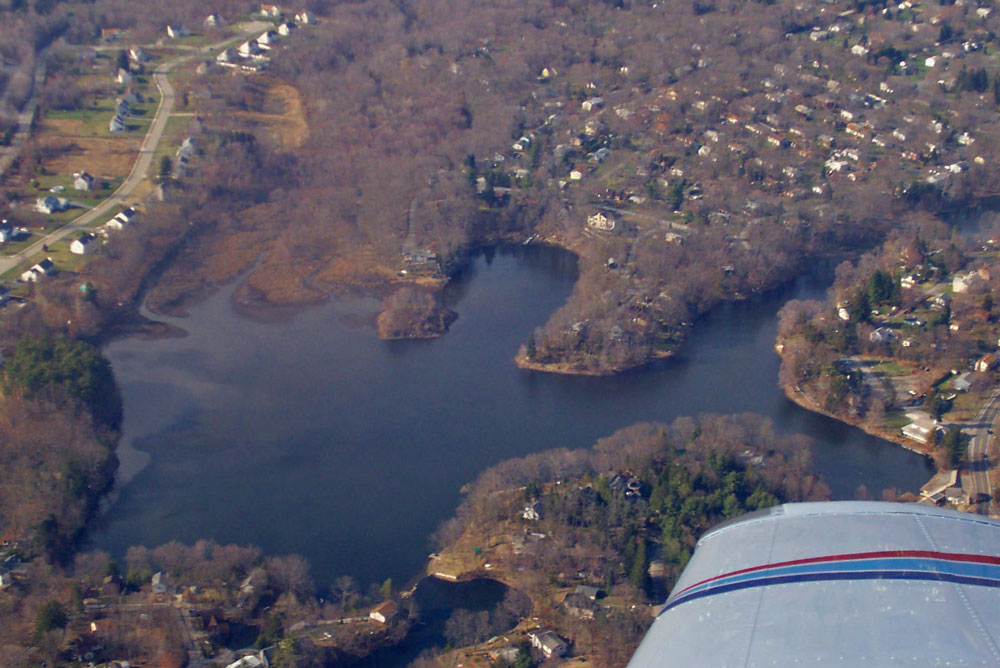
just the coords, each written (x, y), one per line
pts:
(314, 437)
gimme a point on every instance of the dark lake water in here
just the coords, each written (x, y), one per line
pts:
(313, 436)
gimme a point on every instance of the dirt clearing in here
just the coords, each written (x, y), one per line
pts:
(286, 125)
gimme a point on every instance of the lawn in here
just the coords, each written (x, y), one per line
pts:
(894, 421)
(13, 247)
(891, 369)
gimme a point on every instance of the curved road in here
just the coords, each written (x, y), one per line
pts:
(141, 166)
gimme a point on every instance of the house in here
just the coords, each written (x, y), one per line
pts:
(532, 511)
(38, 271)
(588, 591)
(384, 612)
(249, 49)
(6, 231)
(122, 107)
(273, 11)
(186, 150)
(83, 245)
(286, 28)
(137, 54)
(934, 490)
(267, 39)
(4, 578)
(83, 181)
(941, 302)
(176, 32)
(51, 204)
(599, 221)
(882, 335)
(124, 217)
(922, 428)
(227, 58)
(124, 77)
(548, 642)
(212, 21)
(986, 363)
(305, 19)
(962, 383)
(117, 124)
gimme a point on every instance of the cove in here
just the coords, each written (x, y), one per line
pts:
(312, 436)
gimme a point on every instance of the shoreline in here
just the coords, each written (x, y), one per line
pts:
(803, 400)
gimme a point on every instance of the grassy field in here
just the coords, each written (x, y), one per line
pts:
(894, 421)
(891, 369)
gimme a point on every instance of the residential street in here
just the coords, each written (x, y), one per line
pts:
(139, 169)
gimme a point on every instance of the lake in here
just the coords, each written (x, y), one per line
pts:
(312, 436)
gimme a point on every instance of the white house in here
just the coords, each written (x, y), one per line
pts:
(249, 49)
(126, 215)
(37, 271)
(599, 221)
(273, 11)
(51, 204)
(921, 429)
(547, 641)
(122, 220)
(4, 298)
(384, 612)
(83, 181)
(285, 29)
(6, 231)
(138, 54)
(124, 77)
(83, 245)
(212, 21)
(592, 103)
(117, 124)
(267, 39)
(305, 18)
(176, 32)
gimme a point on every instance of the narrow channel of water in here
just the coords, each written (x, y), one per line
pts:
(312, 436)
